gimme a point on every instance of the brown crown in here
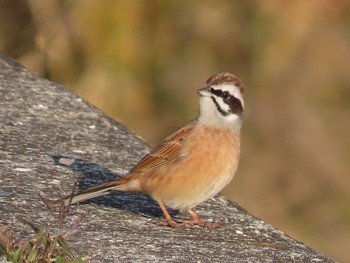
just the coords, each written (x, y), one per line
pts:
(221, 78)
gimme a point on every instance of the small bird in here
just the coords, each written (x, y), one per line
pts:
(194, 163)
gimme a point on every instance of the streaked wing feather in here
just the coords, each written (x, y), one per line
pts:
(165, 152)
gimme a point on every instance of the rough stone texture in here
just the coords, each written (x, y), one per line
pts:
(42, 122)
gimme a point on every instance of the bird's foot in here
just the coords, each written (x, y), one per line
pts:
(170, 223)
(188, 224)
(202, 223)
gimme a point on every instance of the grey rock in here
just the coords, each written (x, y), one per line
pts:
(51, 138)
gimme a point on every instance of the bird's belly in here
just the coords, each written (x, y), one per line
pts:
(195, 190)
(207, 163)
(192, 182)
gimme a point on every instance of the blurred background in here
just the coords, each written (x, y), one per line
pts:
(141, 62)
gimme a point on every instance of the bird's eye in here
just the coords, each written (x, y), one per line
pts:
(225, 94)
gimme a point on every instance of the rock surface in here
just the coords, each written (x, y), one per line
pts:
(51, 138)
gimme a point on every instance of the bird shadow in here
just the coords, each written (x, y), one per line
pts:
(92, 174)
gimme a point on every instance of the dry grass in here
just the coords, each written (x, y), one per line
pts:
(43, 246)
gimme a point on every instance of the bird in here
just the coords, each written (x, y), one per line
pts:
(194, 163)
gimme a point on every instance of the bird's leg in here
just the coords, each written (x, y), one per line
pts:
(196, 220)
(169, 221)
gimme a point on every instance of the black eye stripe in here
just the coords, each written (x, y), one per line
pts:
(235, 105)
(220, 93)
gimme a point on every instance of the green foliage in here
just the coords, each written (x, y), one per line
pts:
(42, 247)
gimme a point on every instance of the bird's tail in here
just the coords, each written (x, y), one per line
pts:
(93, 192)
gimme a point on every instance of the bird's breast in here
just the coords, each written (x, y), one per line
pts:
(209, 159)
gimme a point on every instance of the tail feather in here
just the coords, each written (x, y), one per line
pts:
(93, 192)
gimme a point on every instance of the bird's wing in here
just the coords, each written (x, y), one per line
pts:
(165, 152)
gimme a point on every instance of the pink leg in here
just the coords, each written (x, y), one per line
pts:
(169, 221)
(196, 220)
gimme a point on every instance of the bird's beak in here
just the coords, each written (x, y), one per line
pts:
(204, 92)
